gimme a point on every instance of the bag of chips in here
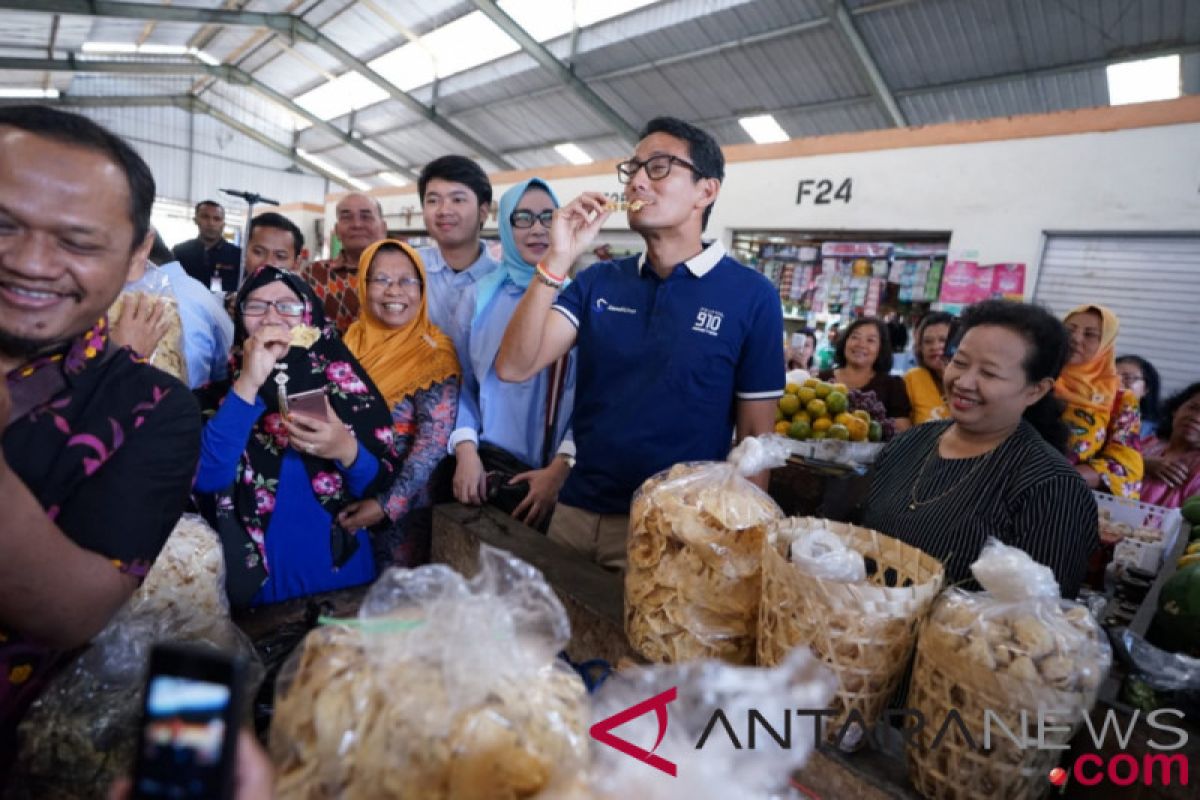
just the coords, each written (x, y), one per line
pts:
(155, 285)
(82, 732)
(443, 687)
(711, 756)
(696, 533)
(1013, 651)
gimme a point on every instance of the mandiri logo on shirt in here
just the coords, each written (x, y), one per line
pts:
(603, 305)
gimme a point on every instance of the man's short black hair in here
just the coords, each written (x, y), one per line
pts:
(271, 219)
(457, 169)
(213, 203)
(703, 151)
(79, 131)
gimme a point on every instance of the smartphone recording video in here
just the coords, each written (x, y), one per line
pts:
(189, 725)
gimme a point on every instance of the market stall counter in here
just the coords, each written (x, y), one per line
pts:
(593, 598)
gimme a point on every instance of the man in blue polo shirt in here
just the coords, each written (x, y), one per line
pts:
(678, 348)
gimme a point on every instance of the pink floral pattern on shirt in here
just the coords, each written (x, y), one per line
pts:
(422, 424)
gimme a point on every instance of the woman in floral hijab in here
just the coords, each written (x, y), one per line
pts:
(273, 484)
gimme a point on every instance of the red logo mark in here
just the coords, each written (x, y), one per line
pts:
(601, 731)
(1058, 776)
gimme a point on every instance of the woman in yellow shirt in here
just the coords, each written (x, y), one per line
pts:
(924, 381)
(1102, 418)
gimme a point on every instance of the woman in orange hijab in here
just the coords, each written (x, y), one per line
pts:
(1103, 419)
(414, 365)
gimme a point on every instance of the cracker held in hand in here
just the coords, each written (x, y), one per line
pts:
(304, 336)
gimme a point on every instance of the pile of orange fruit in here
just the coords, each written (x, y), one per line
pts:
(820, 410)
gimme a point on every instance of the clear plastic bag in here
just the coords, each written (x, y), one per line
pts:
(1019, 627)
(821, 553)
(1015, 650)
(720, 769)
(696, 533)
(155, 284)
(442, 687)
(82, 732)
(1156, 678)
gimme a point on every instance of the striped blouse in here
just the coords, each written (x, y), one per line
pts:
(1026, 495)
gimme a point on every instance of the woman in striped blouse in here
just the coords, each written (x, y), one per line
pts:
(996, 468)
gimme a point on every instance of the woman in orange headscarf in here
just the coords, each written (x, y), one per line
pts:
(415, 367)
(1102, 418)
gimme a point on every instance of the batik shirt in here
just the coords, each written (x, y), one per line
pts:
(109, 453)
(1113, 450)
(335, 281)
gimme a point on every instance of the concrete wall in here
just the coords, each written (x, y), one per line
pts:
(997, 186)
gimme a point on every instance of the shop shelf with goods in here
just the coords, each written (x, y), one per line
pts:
(847, 274)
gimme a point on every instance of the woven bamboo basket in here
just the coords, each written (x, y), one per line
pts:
(864, 631)
(946, 678)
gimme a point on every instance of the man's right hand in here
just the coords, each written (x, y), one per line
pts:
(260, 353)
(470, 479)
(142, 324)
(573, 229)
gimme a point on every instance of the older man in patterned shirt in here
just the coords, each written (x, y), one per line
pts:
(335, 280)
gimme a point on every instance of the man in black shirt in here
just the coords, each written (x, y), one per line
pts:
(208, 257)
(97, 450)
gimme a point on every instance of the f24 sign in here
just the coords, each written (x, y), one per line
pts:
(822, 193)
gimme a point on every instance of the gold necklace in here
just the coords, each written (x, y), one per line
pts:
(914, 503)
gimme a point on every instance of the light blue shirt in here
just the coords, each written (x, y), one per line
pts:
(508, 415)
(207, 329)
(451, 295)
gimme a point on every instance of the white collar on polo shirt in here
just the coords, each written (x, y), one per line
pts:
(700, 264)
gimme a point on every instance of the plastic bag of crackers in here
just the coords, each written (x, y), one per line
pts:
(155, 287)
(698, 747)
(696, 533)
(1016, 655)
(80, 733)
(443, 687)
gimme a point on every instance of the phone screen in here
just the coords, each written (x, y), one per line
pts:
(185, 749)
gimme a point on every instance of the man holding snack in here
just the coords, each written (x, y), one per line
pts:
(679, 348)
(98, 449)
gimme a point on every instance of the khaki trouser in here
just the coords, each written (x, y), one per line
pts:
(597, 537)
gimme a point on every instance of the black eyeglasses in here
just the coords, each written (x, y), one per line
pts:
(522, 218)
(286, 308)
(657, 167)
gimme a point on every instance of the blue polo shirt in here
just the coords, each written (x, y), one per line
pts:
(659, 367)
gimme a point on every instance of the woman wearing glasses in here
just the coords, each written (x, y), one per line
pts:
(1140, 378)
(274, 483)
(513, 429)
(414, 365)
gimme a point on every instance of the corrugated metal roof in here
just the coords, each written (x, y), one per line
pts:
(706, 60)
(105, 85)
(26, 30)
(1034, 95)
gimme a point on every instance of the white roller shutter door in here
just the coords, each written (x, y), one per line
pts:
(1152, 283)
